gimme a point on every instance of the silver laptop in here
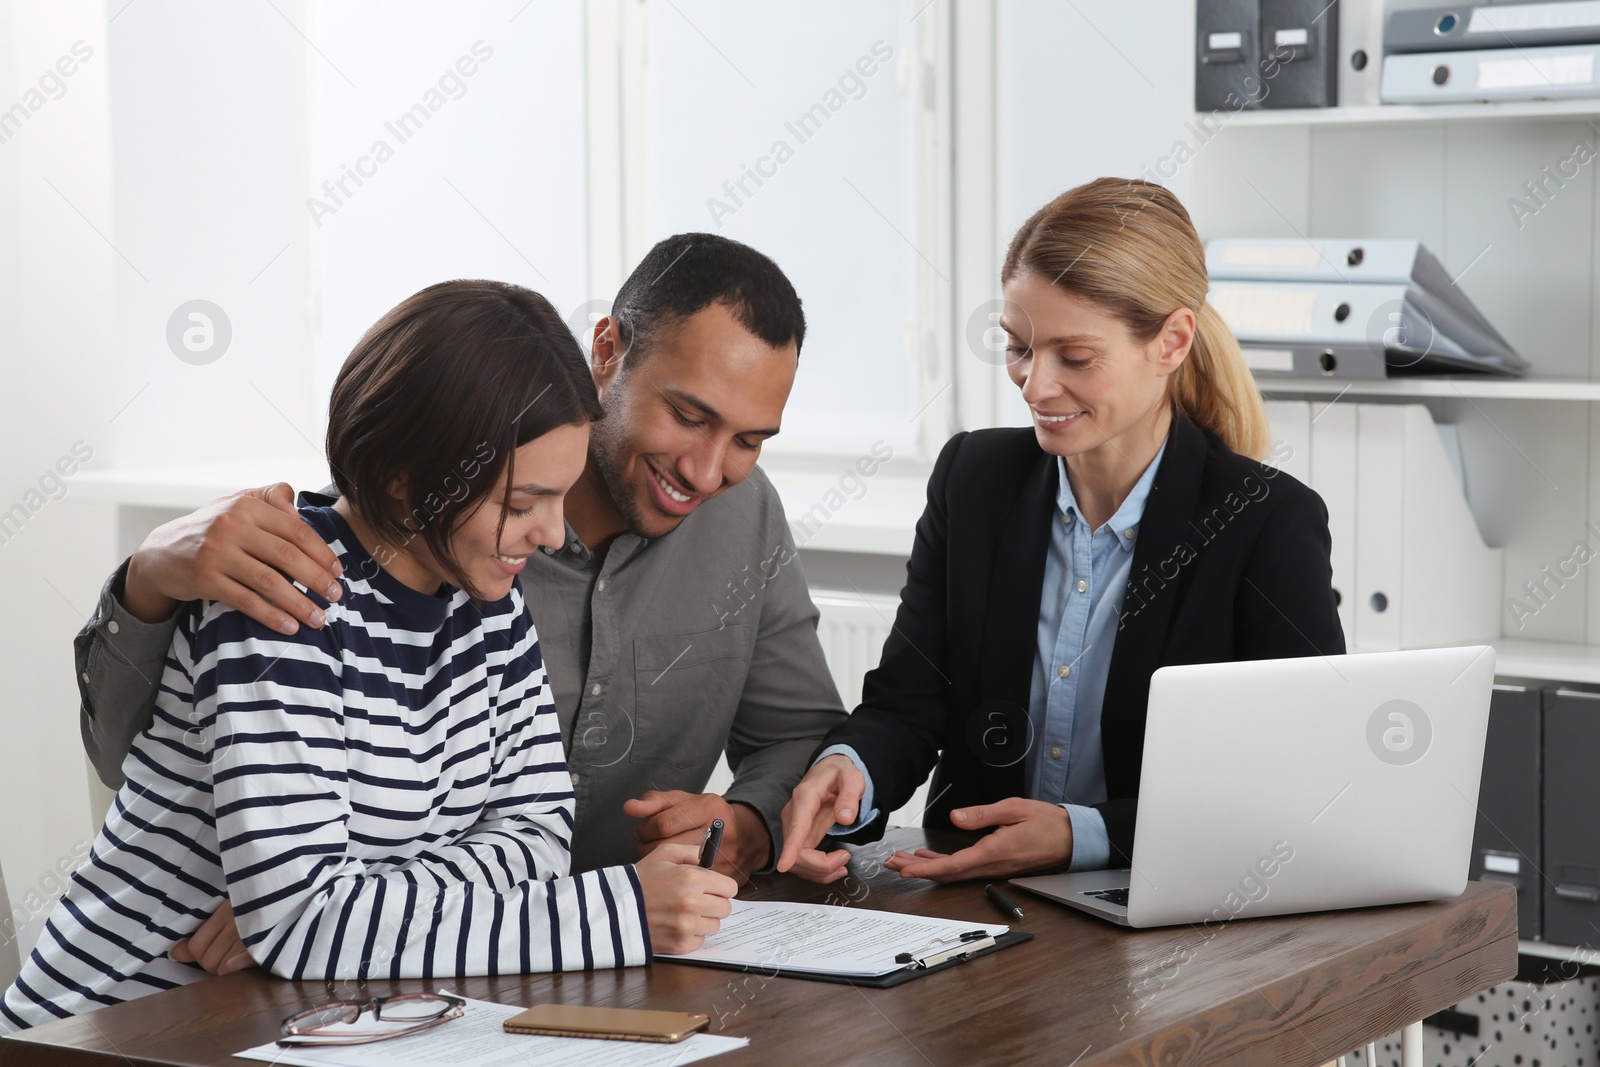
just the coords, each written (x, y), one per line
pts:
(1271, 787)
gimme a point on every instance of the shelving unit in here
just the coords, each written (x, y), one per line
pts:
(1444, 175)
(1452, 176)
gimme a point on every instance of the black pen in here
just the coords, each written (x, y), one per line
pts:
(710, 844)
(1003, 902)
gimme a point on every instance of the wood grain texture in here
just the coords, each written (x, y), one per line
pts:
(1294, 991)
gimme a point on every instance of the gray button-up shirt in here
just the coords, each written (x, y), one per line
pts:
(669, 653)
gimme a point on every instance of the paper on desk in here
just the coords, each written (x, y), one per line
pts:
(825, 938)
(478, 1039)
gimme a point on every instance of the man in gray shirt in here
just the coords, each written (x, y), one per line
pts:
(675, 622)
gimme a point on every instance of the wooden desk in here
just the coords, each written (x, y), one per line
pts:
(1290, 992)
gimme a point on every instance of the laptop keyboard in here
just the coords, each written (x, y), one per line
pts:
(1110, 896)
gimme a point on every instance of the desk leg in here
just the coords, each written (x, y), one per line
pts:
(1372, 1054)
(1411, 1046)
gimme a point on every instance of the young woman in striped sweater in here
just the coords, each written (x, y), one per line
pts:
(387, 795)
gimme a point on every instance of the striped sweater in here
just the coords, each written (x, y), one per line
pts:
(386, 796)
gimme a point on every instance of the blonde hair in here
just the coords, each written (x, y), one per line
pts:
(1128, 247)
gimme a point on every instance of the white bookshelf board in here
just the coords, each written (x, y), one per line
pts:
(1408, 114)
(1437, 388)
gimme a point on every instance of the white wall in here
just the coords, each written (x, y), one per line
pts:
(1088, 89)
(209, 165)
(58, 280)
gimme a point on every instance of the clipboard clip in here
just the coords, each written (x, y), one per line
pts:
(971, 941)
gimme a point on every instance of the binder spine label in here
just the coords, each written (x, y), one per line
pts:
(1526, 73)
(1582, 14)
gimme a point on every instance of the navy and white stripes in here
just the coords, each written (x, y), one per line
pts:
(386, 796)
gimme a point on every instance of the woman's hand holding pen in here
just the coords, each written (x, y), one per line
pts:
(684, 903)
(829, 795)
(1030, 835)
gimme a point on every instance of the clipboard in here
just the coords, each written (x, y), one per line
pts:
(918, 968)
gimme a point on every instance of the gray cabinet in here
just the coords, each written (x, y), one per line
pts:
(1506, 845)
(1571, 818)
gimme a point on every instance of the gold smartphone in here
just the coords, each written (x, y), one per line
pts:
(611, 1024)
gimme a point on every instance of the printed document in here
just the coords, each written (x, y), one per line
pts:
(826, 939)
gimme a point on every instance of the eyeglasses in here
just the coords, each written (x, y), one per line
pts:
(406, 1013)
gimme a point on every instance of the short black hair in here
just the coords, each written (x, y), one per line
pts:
(687, 273)
(439, 394)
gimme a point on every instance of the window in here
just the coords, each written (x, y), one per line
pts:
(807, 134)
(447, 142)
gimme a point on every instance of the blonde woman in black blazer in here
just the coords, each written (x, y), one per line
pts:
(1139, 395)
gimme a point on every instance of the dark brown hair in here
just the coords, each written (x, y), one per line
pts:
(438, 395)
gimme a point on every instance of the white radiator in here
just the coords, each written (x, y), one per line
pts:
(852, 630)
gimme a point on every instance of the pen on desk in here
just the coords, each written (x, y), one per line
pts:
(1003, 902)
(710, 844)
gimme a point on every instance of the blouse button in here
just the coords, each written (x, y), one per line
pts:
(1083, 586)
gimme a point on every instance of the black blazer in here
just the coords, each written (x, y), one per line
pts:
(1230, 563)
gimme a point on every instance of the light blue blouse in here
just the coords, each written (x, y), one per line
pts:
(1085, 576)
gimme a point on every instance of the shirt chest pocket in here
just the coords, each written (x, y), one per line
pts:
(686, 691)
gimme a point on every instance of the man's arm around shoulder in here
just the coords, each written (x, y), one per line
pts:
(118, 660)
